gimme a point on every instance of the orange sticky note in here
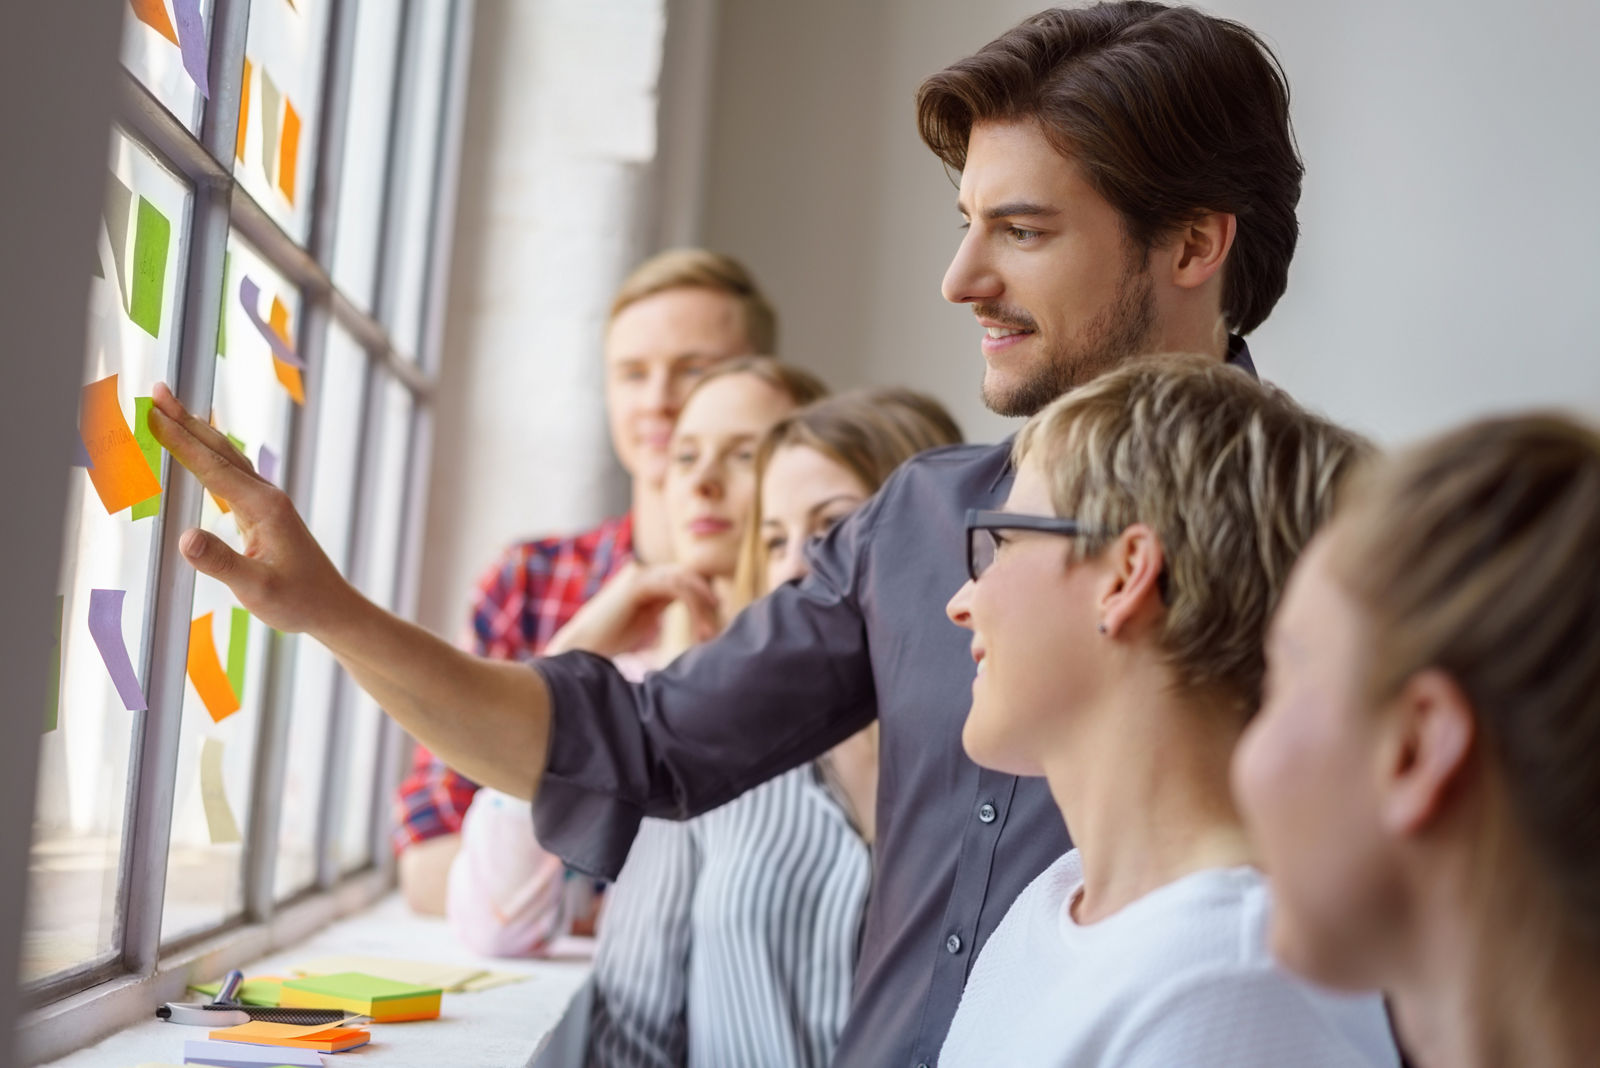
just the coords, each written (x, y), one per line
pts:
(119, 471)
(288, 149)
(325, 1038)
(153, 13)
(244, 111)
(288, 373)
(205, 671)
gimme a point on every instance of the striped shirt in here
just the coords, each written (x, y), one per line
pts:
(731, 939)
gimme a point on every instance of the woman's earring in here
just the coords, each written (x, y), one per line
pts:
(1102, 627)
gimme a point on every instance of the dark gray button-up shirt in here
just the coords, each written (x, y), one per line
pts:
(863, 636)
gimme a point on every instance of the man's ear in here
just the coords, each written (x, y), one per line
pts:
(1136, 562)
(1201, 247)
(1428, 752)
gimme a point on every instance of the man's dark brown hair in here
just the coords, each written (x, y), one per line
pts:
(1170, 112)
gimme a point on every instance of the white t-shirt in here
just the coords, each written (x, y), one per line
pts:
(1180, 977)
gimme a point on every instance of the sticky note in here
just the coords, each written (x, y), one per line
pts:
(105, 627)
(267, 464)
(238, 647)
(244, 111)
(151, 448)
(288, 372)
(222, 315)
(413, 972)
(270, 98)
(151, 239)
(192, 43)
(119, 204)
(117, 466)
(239, 1055)
(274, 330)
(220, 824)
(52, 707)
(490, 980)
(205, 671)
(153, 13)
(384, 1000)
(256, 990)
(288, 149)
(325, 1037)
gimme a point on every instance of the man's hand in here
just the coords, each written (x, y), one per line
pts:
(626, 611)
(282, 577)
(488, 719)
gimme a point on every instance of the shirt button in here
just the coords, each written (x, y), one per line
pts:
(986, 813)
(953, 944)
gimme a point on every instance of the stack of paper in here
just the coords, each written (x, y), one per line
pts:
(382, 999)
(239, 1055)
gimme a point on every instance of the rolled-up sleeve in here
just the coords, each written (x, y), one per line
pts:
(789, 679)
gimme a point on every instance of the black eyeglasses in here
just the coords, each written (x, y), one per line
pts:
(982, 542)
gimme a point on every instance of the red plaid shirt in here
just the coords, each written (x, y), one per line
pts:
(534, 589)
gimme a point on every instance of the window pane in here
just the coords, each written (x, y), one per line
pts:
(276, 156)
(416, 175)
(366, 149)
(377, 579)
(331, 512)
(106, 572)
(252, 401)
(165, 45)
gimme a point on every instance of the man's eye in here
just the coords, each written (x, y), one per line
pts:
(1021, 234)
(632, 374)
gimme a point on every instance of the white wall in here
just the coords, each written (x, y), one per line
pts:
(1447, 265)
(555, 206)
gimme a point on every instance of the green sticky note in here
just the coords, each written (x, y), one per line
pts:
(238, 644)
(238, 443)
(222, 313)
(264, 992)
(152, 454)
(152, 237)
(52, 710)
(358, 986)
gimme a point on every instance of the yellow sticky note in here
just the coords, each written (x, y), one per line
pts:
(219, 814)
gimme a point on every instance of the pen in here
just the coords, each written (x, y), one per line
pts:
(230, 986)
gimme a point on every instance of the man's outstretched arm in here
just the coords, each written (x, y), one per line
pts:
(489, 719)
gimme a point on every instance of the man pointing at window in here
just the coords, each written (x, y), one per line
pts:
(1128, 183)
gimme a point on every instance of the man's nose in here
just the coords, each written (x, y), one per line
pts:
(970, 278)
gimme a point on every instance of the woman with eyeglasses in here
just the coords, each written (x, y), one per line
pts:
(1424, 777)
(1117, 607)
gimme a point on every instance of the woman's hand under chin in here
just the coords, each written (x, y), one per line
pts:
(626, 613)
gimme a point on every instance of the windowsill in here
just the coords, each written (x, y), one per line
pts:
(504, 1027)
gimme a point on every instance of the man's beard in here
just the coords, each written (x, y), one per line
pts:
(1119, 332)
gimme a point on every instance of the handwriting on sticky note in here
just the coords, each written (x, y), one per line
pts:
(205, 671)
(152, 238)
(105, 627)
(117, 468)
(220, 824)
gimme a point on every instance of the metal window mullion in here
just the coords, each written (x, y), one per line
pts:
(399, 115)
(155, 766)
(446, 174)
(337, 69)
(335, 768)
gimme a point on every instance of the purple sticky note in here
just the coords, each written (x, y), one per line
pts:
(192, 42)
(80, 455)
(250, 297)
(267, 465)
(105, 627)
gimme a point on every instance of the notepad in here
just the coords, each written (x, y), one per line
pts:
(415, 972)
(324, 1038)
(238, 1055)
(256, 990)
(382, 999)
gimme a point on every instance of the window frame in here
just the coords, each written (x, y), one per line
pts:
(141, 972)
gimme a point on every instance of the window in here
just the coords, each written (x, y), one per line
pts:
(269, 246)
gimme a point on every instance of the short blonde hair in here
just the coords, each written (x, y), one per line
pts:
(1478, 554)
(1233, 477)
(698, 268)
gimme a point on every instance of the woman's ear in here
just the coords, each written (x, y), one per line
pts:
(1136, 562)
(1428, 753)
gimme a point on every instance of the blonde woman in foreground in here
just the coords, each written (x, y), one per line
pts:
(1117, 608)
(1424, 779)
